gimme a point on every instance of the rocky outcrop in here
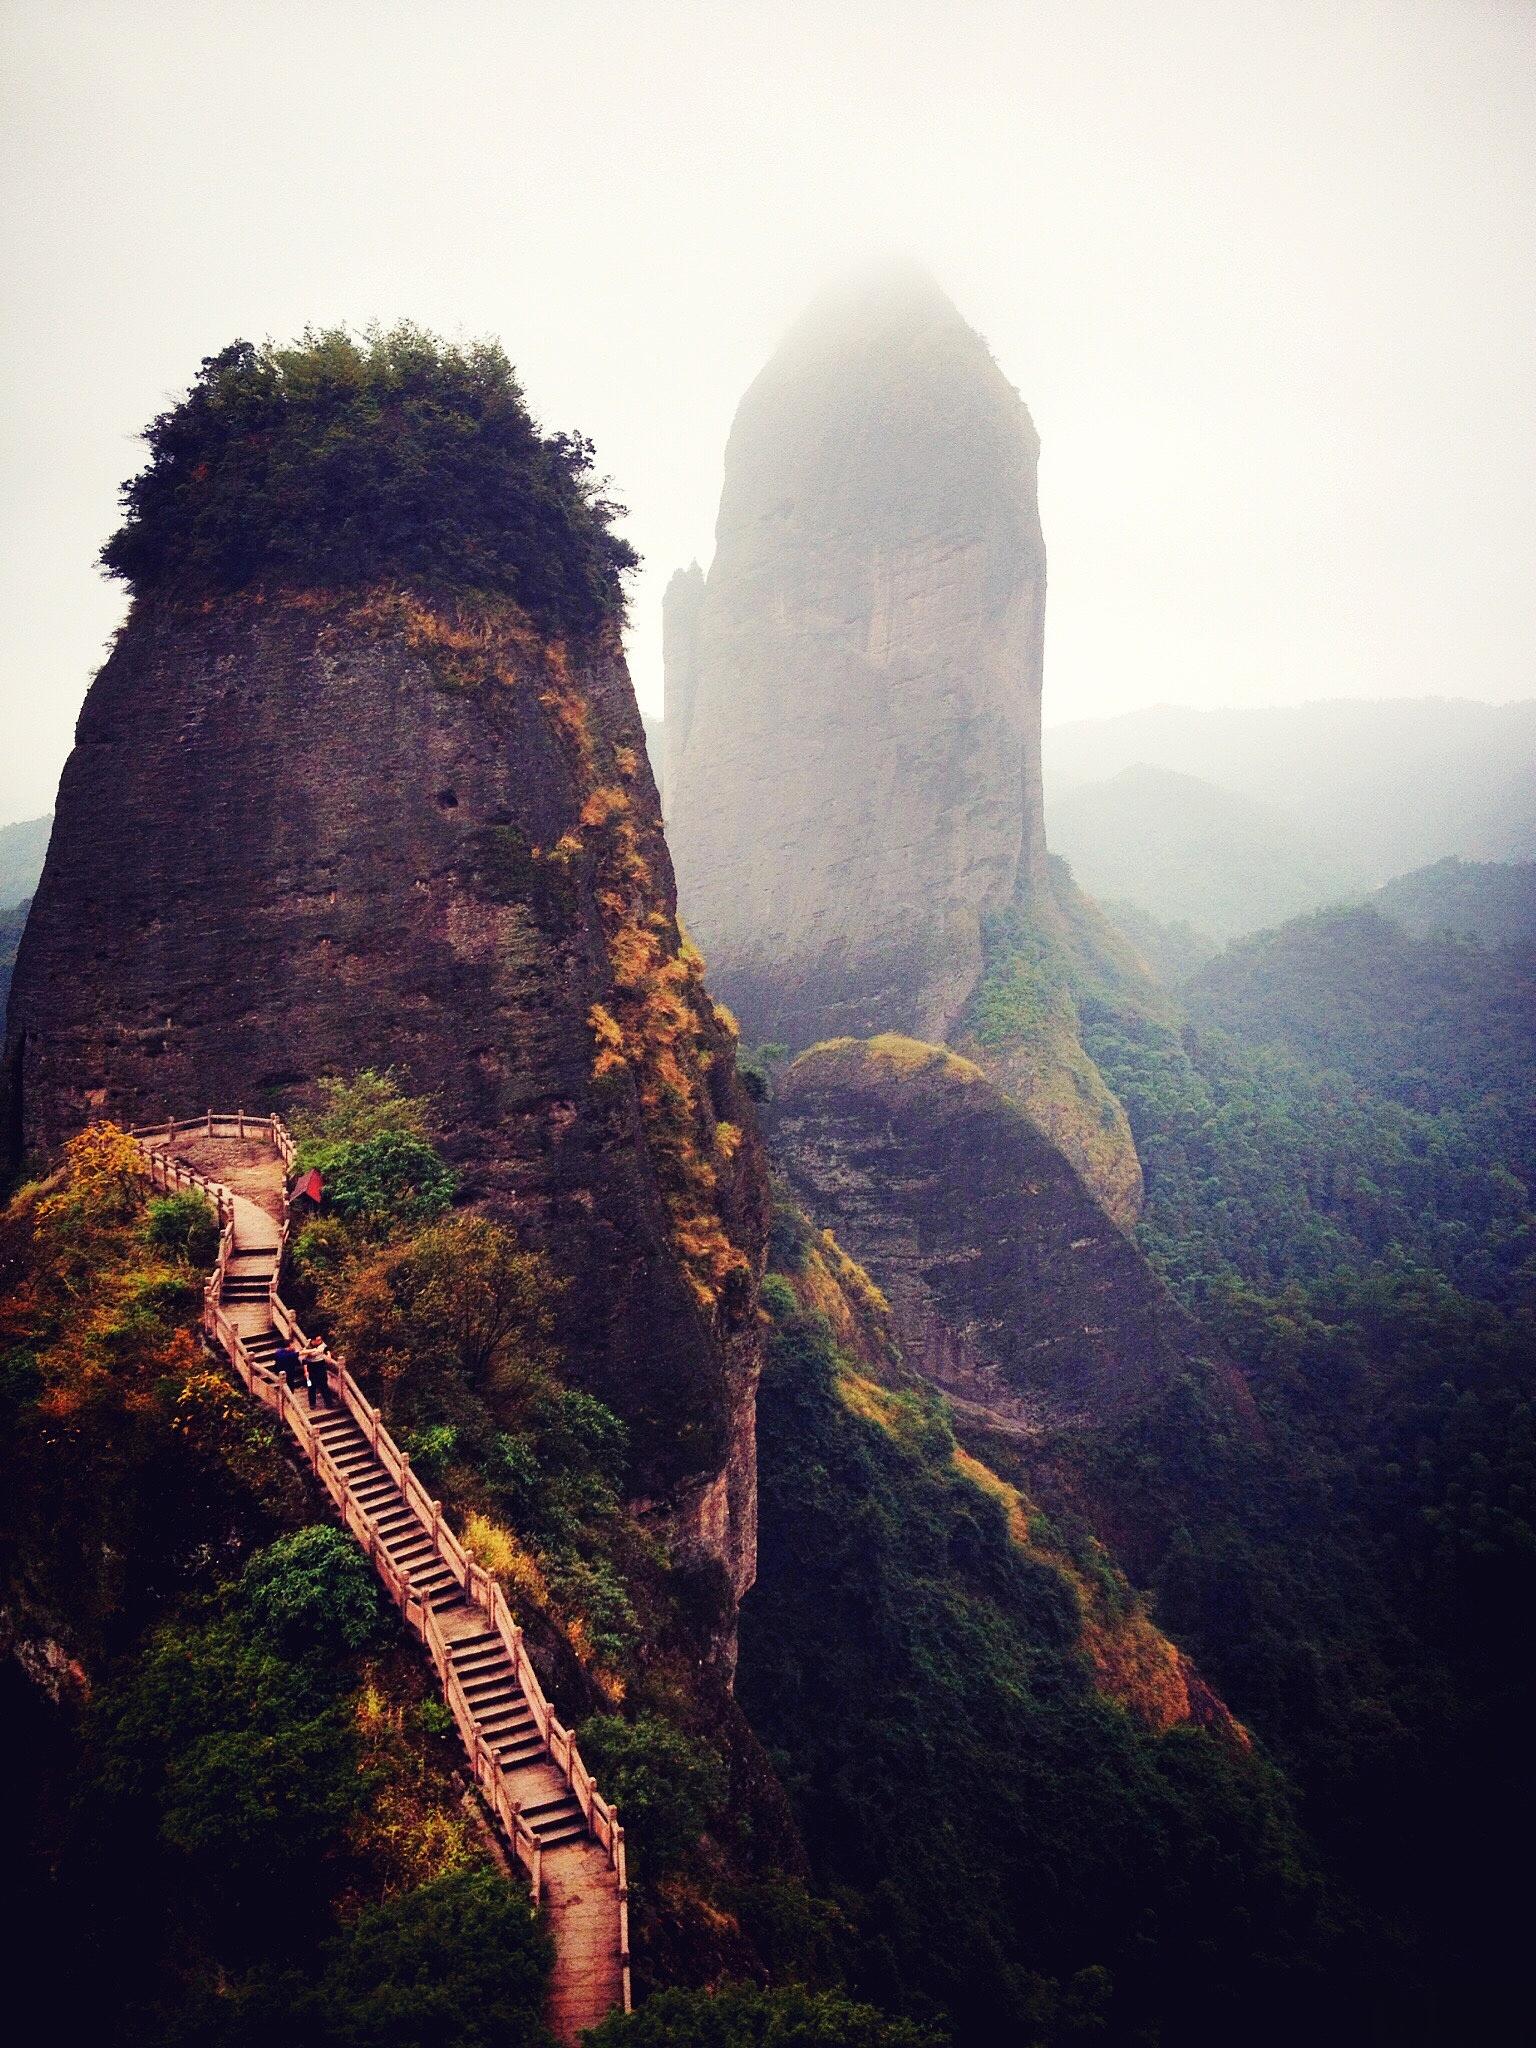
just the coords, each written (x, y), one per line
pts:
(1023, 1028)
(305, 836)
(853, 755)
(1008, 1285)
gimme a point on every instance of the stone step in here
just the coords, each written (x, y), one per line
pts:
(567, 1831)
(557, 1807)
(507, 1718)
(492, 1658)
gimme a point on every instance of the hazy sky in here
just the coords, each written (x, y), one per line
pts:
(1265, 273)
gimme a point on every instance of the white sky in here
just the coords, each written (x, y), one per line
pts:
(1265, 271)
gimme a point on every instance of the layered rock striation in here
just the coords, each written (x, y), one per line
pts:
(853, 691)
(304, 835)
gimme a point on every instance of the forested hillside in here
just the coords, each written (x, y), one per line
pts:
(1337, 1141)
(1187, 850)
(1027, 1824)
(22, 848)
(1493, 901)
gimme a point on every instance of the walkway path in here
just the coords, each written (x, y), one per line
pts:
(526, 1764)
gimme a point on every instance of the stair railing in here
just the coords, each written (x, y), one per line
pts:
(478, 1584)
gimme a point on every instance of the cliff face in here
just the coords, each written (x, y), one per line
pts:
(1009, 1287)
(308, 836)
(853, 694)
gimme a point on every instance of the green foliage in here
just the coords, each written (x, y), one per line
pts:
(668, 1786)
(346, 461)
(756, 1063)
(430, 1450)
(435, 1719)
(1494, 901)
(311, 1592)
(1342, 1095)
(21, 1381)
(992, 1826)
(789, 1240)
(591, 1589)
(249, 1807)
(777, 1296)
(388, 1176)
(363, 1105)
(454, 1317)
(1339, 1164)
(241, 1760)
(459, 1963)
(745, 2016)
(183, 1224)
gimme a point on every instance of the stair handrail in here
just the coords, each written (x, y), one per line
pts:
(162, 1168)
(601, 1817)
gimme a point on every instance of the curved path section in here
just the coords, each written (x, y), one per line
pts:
(525, 1763)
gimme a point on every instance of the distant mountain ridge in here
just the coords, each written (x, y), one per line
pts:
(1187, 850)
(22, 849)
(1494, 901)
(1386, 786)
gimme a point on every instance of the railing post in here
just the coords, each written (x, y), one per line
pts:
(161, 1168)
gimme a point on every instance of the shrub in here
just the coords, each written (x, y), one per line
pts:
(311, 1591)
(459, 1961)
(502, 1554)
(778, 1297)
(252, 1805)
(668, 1786)
(459, 1302)
(183, 1224)
(391, 1174)
(430, 1450)
(104, 1181)
(590, 1591)
(365, 1106)
(347, 460)
(745, 2016)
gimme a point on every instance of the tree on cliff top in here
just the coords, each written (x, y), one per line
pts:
(349, 460)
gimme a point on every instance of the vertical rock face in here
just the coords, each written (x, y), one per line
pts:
(1009, 1287)
(853, 693)
(306, 836)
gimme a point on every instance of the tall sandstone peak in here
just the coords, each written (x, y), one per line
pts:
(300, 836)
(853, 692)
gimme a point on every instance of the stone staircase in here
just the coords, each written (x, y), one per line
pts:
(524, 1762)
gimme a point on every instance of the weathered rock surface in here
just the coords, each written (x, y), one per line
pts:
(306, 837)
(1009, 1286)
(853, 754)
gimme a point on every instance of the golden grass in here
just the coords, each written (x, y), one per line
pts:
(511, 1561)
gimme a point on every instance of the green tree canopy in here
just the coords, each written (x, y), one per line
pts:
(348, 460)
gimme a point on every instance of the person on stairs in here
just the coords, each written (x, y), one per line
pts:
(288, 1365)
(317, 1369)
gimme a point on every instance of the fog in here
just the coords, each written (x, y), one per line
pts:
(1265, 274)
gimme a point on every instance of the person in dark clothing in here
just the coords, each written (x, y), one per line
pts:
(288, 1365)
(317, 1367)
